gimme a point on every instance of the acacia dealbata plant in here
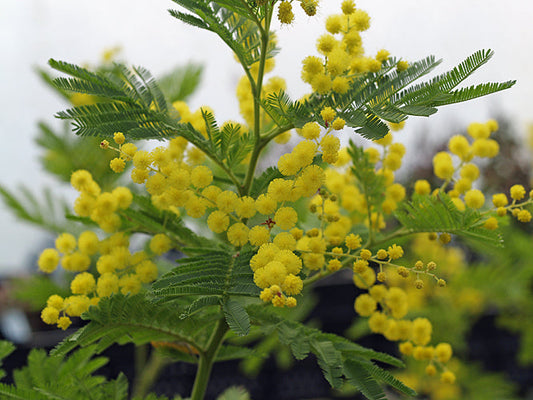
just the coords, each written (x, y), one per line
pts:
(251, 240)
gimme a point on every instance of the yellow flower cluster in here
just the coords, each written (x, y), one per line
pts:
(286, 15)
(117, 270)
(101, 207)
(386, 309)
(464, 173)
(516, 207)
(343, 56)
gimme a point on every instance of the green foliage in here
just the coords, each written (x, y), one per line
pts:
(6, 348)
(58, 378)
(65, 154)
(336, 355)
(221, 277)
(123, 319)
(236, 317)
(437, 213)
(234, 393)
(387, 95)
(232, 22)
(370, 184)
(46, 215)
(145, 217)
(34, 290)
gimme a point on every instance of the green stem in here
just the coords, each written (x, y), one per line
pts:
(257, 106)
(146, 376)
(207, 359)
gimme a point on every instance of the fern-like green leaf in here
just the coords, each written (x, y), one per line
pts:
(236, 317)
(9, 392)
(437, 213)
(371, 185)
(215, 272)
(181, 82)
(123, 319)
(358, 376)
(330, 361)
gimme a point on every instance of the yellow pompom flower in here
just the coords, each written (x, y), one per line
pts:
(321, 83)
(65, 243)
(279, 189)
(245, 207)
(286, 218)
(365, 305)
(119, 138)
(83, 283)
(107, 285)
(469, 171)
(447, 377)
(474, 198)
(201, 176)
(81, 180)
(361, 20)
(421, 334)
(227, 201)
(285, 241)
(146, 271)
(499, 200)
(238, 234)
(128, 150)
(364, 279)
(326, 43)
(49, 315)
(392, 161)
(292, 284)
(348, 7)
(443, 352)
(48, 260)
(328, 114)
(443, 165)
(288, 165)
(378, 292)
(378, 322)
(310, 130)
(265, 204)
(517, 192)
(55, 301)
(396, 300)
(422, 187)
(340, 85)
(353, 241)
(395, 252)
(334, 23)
(312, 65)
(406, 348)
(117, 164)
(402, 65)
(491, 223)
(77, 305)
(285, 14)
(142, 159)
(523, 216)
(459, 146)
(259, 235)
(129, 284)
(123, 197)
(478, 130)
(385, 140)
(160, 244)
(63, 322)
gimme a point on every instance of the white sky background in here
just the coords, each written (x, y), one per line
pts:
(32, 31)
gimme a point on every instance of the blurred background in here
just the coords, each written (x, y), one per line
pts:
(32, 31)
